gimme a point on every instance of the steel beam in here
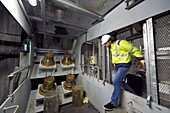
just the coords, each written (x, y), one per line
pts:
(77, 8)
(56, 35)
(152, 64)
(103, 64)
(13, 6)
(48, 20)
(146, 44)
(43, 16)
(10, 43)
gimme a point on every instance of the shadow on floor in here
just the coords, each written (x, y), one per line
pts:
(86, 108)
(68, 108)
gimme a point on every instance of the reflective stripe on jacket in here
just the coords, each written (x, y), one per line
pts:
(121, 52)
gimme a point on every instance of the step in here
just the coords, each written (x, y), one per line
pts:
(117, 110)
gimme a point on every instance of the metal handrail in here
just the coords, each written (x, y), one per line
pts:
(15, 72)
(88, 65)
(10, 79)
(10, 107)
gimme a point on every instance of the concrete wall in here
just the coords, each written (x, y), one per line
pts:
(13, 6)
(9, 31)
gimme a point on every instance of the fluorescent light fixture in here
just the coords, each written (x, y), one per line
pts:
(33, 2)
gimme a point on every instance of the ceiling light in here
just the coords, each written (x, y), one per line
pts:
(33, 2)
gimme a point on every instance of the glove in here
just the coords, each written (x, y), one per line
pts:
(142, 62)
(85, 100)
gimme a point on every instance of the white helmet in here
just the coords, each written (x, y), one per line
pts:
(105, 38)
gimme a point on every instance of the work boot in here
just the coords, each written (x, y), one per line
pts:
(109, 106)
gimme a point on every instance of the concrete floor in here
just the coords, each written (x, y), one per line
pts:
(66, 108)
(86, 108)
(117, 110)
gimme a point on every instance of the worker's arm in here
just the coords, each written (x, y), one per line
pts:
(129, 47)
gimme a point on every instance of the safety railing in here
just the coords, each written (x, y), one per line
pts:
(11, 107)
(12, 76)
(12, 101)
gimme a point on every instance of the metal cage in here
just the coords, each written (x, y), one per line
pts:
(162, 44)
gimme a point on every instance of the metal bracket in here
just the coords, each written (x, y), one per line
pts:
(104, 82)
(148, 102)
(130, 104)
(132, 3)
(11, 97)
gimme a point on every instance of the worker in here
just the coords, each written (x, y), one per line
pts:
(121, 51)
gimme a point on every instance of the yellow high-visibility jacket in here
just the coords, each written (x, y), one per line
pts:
(121, 50)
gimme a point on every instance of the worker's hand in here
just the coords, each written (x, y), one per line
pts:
(143, 63)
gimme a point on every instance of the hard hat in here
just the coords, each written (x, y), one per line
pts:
(105, 38)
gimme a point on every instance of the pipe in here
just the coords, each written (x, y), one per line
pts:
(73, 46)
(108, 76)
(103, 64)
(99, 58)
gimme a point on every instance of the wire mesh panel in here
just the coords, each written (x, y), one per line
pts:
(162, 39)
